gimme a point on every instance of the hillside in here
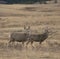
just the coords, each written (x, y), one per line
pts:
(38, 16)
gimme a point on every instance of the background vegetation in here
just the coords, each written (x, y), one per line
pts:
(26, 1)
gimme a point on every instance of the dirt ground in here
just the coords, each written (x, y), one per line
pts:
(38, 16)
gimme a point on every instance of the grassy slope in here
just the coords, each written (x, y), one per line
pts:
(14, 17)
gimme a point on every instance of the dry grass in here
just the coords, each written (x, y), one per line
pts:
(14, 17)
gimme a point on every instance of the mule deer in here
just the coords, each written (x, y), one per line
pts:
(38, 37)
(20, 37)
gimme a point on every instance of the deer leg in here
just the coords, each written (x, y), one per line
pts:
(32, 44)
(28, 41)
(9, 43)
(23, 44)
(39, 44)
